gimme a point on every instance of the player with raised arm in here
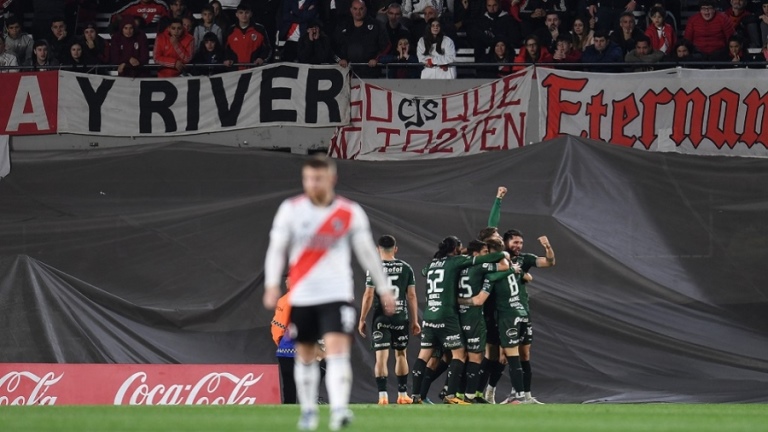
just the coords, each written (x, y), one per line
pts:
(318, 230)
(509, 313)
(391, 332)
(513, 240)
(441, 321)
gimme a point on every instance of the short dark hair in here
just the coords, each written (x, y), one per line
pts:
(175, 21)
(39, 43)
(494, 245)
(475, 246)
(709, 3)
(13, 19)
(487, 232)
(657, 10)
(627, 14)
(58, 18)
(600, 34)
(319, 162)
(512, 233)
(205, 8)
(244, 6)
(643, 38)
(387, 242)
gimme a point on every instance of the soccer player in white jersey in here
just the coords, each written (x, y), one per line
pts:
(318, 230)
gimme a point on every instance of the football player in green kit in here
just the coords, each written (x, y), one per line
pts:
(441, 321)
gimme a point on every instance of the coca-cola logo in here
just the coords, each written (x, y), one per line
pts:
(33, 388)
(216, 388)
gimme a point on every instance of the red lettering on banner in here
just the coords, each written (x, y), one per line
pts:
(755, 103)
(555, 86)
(408, 138)
(339, 147)
(444, 145)
(489, 131)
(596, 110)
(370, 103)
(651, 101)
(723, 109)
(698, 102)
(468, 143)
(510, 88)
(624, 112)
(463, 114)
(388, 132)
(491, 102)
(355, 106)
(518, 132)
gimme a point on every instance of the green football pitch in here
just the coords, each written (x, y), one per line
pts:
(401, 418)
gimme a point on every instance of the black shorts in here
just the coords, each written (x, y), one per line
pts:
(310, 323)
(492, 330)
(386, 335)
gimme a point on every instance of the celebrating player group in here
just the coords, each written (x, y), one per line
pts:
(475, 321)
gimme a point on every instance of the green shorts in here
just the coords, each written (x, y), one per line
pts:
(511, 330)
(385, 334)
(445, 333)
(474, 332)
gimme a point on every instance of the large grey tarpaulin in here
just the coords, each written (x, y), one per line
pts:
(155, 254)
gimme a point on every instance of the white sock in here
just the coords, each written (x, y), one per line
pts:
(338, 380)
(402, 394)
(307, 377)
(528, 395)
(383, 395)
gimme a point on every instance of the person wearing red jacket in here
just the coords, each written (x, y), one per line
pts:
(173, 49)
(661, 34)
(151, 11)
(709, 30)
(565, 52)
(247, 41)
(532, 52)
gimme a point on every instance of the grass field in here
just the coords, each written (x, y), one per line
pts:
(393, 418)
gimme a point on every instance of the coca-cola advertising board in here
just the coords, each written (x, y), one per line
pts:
(138, 384)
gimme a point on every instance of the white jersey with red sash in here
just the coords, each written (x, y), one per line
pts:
(319, 241)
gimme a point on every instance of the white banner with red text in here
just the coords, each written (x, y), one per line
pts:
(138, 384)
(29, 101)
(281, 94)
(707, 112)
(386, 125)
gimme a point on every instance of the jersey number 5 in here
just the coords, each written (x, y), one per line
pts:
(392, 285)
(466, 288)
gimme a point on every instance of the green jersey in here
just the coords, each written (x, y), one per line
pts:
(443, 276)
(506, 285)
(526, 261)
(470, 284)
(400, 276)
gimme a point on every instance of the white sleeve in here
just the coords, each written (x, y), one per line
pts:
(420, 51)
(365, 249)
(279, 239)
(449, 51)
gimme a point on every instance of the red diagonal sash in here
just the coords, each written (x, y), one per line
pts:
(335, 226)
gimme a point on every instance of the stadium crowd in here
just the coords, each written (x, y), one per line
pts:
(419, 37)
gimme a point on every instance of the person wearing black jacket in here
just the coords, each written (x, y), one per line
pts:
(361, 40)
(210, 57)
(315, 46)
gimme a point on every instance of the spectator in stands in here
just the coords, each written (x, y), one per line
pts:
(129, 49)
(499, 54)
(414, 9)
(60, 40)
(682, 52)
(493, 24)
(219, 17)
(608, 12)
(247, 41)
(17, 42)
(708, 30)
(436, 51)
(745, 24)
(41, 59)
(532, 52)
(361, 40)
(95, 48)
(533, 14)
(627, 34)
(462, 14)
(669, 17)
(582, 33)
(736, 53)
(394, 25)
(419, 27)
(551, 30)
(602, 51)
(267, 13)
(178, 9)
(762, 56)
(75, 62)
(173, 49)
(565, 52)
(763, 22)
(643, 53)
(315, 46)
(7, 59)
(210, 53)
(661, 34)
(207, 25)
(297, 14)
(402, 55)
(151, 12)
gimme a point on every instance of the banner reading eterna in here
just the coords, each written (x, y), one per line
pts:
(282, 94)
(386, 125)
(705, 112)
(138, 384)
